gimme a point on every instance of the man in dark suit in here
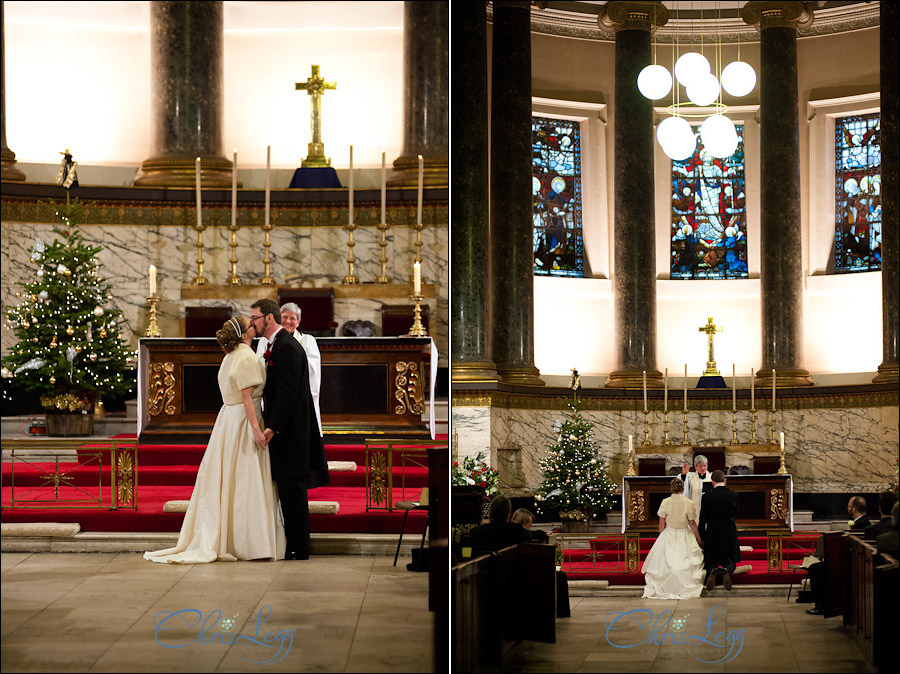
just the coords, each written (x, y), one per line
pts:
(886, 501)
(721, 551)
(500, 532)
(295, 446)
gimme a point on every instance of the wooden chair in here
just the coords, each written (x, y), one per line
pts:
(406, 506)
(204, 321)
(316, 307)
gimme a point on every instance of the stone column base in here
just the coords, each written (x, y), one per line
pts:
(9, 171)
(181, 172)
(786, 378)
(406, 172)
(484, 371)
(634, 379)
(887, 374)
(520, 375)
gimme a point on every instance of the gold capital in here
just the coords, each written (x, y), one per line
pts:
(624, 15)
(773, 14)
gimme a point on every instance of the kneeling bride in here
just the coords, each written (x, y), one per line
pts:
(673, 568)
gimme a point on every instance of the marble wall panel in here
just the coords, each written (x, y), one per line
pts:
(311, 255)
(827, 450)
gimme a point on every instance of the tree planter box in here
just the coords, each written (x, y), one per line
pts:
(69, 425)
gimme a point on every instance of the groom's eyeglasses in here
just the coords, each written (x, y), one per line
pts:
(253, 320)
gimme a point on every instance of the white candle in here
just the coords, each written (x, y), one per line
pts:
(268, 181)
(752, 391)
(197, 172)
(351, 186)
(421, 177)
(666, 391)
(417, 278)
(644, 378)
(685, 387)
(383, 189)
(733, 389)
(152, 280)
(781, 440)
(773, 389)
(234, 191)
(630, 444)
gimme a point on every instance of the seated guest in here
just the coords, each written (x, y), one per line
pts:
(886, 501)
(500, 532)
(857, 508)
(888, 543)
(525, 518)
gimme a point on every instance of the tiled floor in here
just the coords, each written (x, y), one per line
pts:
(95, 612)
(758, 634)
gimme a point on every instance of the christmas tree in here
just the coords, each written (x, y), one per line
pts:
(70, 348)
(575, 479)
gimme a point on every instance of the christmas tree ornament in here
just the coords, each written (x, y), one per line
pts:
(52, 380)
(77, 349)
(93, 357)
(40, 273)
(61, 269)
(5, 373)
(102, 332)
(43, 295)
(98, 311)
(70, 330)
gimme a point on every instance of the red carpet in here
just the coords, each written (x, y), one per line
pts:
(167, 472)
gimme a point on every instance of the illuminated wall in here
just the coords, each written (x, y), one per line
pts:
(78, 76)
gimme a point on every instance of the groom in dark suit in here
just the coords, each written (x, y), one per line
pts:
(295, 446)
(721, 550)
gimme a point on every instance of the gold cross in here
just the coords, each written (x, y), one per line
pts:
(710, 329)
(315, 86)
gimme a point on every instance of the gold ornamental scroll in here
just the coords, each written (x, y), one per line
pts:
(409, 389)
(162, 389)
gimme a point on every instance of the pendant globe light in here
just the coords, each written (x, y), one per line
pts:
(691, 66)
(719, 136)
(654, 82)
(704, 90)
(738, 78)
(676, 137)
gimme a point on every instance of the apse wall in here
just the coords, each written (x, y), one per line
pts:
(574, 321)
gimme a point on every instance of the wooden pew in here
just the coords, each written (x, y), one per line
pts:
(887, 621)
(501, 598)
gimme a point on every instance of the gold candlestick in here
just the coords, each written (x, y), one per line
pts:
(734, 427)
(153, 328)
(684, 439)
(200, 278)
(267, 280)
(666, 427)
(646, 429)
(383, 227)
(235, 280)
(752, 426)
(631, 470)
(782, 470)
(351, 277)
(417, 329)
(419, 227)
(772, 414)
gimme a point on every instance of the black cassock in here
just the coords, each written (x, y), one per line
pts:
(718, 508)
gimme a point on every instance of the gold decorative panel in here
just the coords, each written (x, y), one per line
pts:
(162, 389)
(777, 506)
(409, 389)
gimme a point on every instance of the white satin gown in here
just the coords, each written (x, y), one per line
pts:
(673, 568)
(233, 513)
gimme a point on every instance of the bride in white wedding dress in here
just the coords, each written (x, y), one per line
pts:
(673, 568)
(233, 513)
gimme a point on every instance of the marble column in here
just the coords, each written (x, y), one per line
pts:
(890, 191)
(8, 170)
(469, 315)
(781, 258)
(634, 256)
(426, 93)
(512, 254)
(186, 62)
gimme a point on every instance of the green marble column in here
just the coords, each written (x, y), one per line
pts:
(781, 259)
(890, 190)
(426, 92)
(470, 243)
(512, 255)
(8, 170)
(634, 254)
(186, 62)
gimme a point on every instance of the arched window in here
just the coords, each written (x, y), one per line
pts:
(709, 215)
(857, 193)
(557, 197)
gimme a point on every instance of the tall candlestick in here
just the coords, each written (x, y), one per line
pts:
(644, 378)
(421, 176)
(234, 191)
(417, 277)
(733, 389)
(666, 391)
(752, 391)
(152, 280)
(351, 186)
(773, 389)
(383, 188)
(685, 387)
(268, 183)
(197, 173)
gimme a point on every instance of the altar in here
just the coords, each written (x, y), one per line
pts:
(765, 502)
(371, 387)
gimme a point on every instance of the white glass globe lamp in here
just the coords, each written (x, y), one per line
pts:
(654, 82)
(676, 137)
(703, 90)
(719, 136)
(690, 66)
(738, 78)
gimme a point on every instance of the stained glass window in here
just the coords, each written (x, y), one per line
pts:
(709, 215)
(556, 190)
(857, 193)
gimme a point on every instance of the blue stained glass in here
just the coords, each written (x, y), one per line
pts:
(857, 193)
(709, 216)
(556, 189)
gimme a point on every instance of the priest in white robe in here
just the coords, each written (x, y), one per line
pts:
(694, 481)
